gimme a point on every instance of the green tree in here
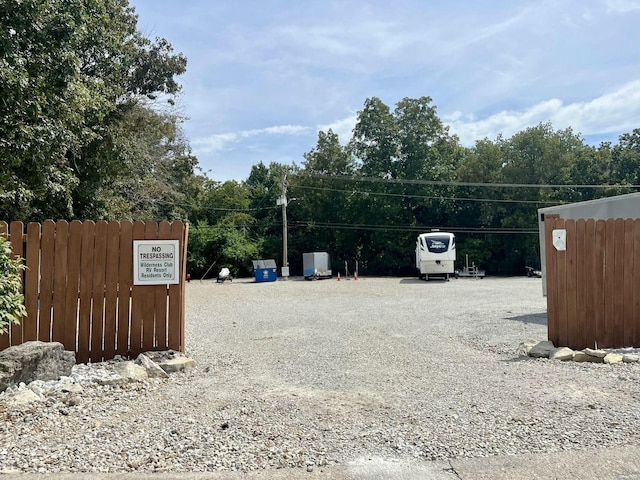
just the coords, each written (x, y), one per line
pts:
(625, 159)
(322, 201)
(401, 149)
(141, 168)
(68, 70)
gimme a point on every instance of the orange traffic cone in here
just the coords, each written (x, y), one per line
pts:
(338, 276)
(355, 276)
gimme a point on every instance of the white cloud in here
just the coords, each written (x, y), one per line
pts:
(281, 130)
(613, 112)
(622, 6)
(222, 141)
(343, 128)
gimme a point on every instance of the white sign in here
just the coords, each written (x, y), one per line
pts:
(156, 262)
(559, 240)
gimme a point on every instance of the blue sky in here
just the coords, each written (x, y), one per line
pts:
(264, 76)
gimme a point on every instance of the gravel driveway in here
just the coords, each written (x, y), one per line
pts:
(330, 371)
(301, 374)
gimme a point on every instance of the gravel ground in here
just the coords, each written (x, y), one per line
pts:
(297, 374)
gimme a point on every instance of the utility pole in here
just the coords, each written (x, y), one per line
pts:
(283, 201)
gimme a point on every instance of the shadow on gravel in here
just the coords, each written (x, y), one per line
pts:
(537, 318)
(417, 280)
(517, 359)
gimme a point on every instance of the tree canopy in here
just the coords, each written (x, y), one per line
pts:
(73, 73)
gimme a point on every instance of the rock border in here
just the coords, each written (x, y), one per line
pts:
(148, 366)
(546, 349)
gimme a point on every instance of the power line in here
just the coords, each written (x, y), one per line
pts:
(373, 227)
(458, 184)
(217, 209)
(427, 197)
(414, 228)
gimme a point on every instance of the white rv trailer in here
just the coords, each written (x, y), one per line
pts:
(436, 254)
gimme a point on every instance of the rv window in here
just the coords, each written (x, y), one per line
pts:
(438, 244)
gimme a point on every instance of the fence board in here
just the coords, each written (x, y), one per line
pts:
(581, 293)
(60, 280)
(71, 320)
(46, 280)
(562, 288)
(552, 280)
(176, 293)
(137, 298)
(617, 321)
(125, 277)
(97, 294)
(589, 260)
(149, 297)
(111, 289)
(183, 286)
(86, 284)
(635, 300)
(32, 277)
(4, 337)
(609, 286)
(15, 232)
(635, 328)
(598, 282)
(573, 329)
(627, 306)
(161, 292)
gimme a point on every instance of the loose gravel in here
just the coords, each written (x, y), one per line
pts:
(298, 374)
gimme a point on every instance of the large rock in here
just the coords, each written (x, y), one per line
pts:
(179, 364)
(34, 361)
(22, 397)
(613, 358)
(562, 353)
(152, 368)
(583, 356)
(171, 361)
(542, 349)
(595, 352)
(130, 372)
(525, 347)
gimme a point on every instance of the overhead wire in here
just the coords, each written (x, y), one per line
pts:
(426, 197)
(460, 184)
(375, 227)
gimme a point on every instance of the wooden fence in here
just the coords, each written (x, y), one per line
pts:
(593, 286)
(78, 288)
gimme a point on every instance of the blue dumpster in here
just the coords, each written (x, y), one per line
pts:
(265, 270)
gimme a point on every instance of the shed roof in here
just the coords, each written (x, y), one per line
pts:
(620, 206)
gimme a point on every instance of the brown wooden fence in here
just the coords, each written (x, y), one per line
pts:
(78, 288)
(593, 287)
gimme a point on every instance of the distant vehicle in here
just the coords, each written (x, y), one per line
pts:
(470, 271)
(224, 274)
(316, 265)
(533, 272)
(435, 255)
